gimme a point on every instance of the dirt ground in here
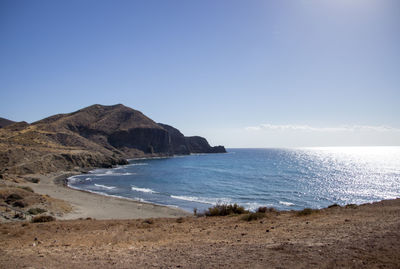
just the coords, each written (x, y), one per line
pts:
(366, 236)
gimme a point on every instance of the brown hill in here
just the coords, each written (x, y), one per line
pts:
(5, 122)
(96, 136)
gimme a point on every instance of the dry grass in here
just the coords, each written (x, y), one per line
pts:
(225, 210)
(43, 218)
(306, 212)
(253, 216)
(36, 211)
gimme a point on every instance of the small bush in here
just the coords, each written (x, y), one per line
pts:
(351, 206)
(305, 212)
(262, 209)
(225, 210)
(253, 216)
(265, 209)
(36, 211)
(43, 218)
(333, 205)
(25, 188)
(179, 220)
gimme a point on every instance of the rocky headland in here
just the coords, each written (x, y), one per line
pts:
(95, 136)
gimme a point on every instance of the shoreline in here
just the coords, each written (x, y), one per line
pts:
(87, 204)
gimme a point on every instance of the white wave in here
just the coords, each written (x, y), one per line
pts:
(105, 187)
(254, 206)
(111, 195)
(72, 179)
(286, 203)
(137, 164)
(88, 179)
(203, 200)
(134, 188)
(110, 173)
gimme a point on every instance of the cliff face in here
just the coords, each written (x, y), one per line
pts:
(182, 145)
(96, 136)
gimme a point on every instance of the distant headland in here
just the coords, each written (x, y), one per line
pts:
(95, 136)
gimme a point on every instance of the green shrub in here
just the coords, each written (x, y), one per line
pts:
(225, 210)
(253, 216)
(36, 211)
(43, 218)
(262, 209)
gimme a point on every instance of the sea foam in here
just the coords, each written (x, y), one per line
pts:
(134, 188)
(286, 203)
(204, 200)
(105, 187)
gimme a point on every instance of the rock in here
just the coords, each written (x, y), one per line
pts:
(13, 197)
(19, 204)
(199, 144)
(182, 145)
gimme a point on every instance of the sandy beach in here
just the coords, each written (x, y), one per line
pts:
(90, 205)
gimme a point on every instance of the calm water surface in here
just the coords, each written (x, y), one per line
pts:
(281, 178)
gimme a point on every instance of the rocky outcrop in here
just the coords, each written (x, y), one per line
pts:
(177, 142)
(147, 140)
(96, 136)
(182, 145)
(199, 144)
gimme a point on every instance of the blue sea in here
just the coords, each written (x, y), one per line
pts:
(285, 179)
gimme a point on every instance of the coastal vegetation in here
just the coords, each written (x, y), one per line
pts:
(225, 210)
(43, 218)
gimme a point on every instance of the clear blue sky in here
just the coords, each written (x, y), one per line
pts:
(242, 73)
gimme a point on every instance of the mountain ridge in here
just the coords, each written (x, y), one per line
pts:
(5, 122)
(94, 136)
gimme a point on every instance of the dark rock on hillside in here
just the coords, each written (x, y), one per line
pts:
(148, 140)
(5, 122)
